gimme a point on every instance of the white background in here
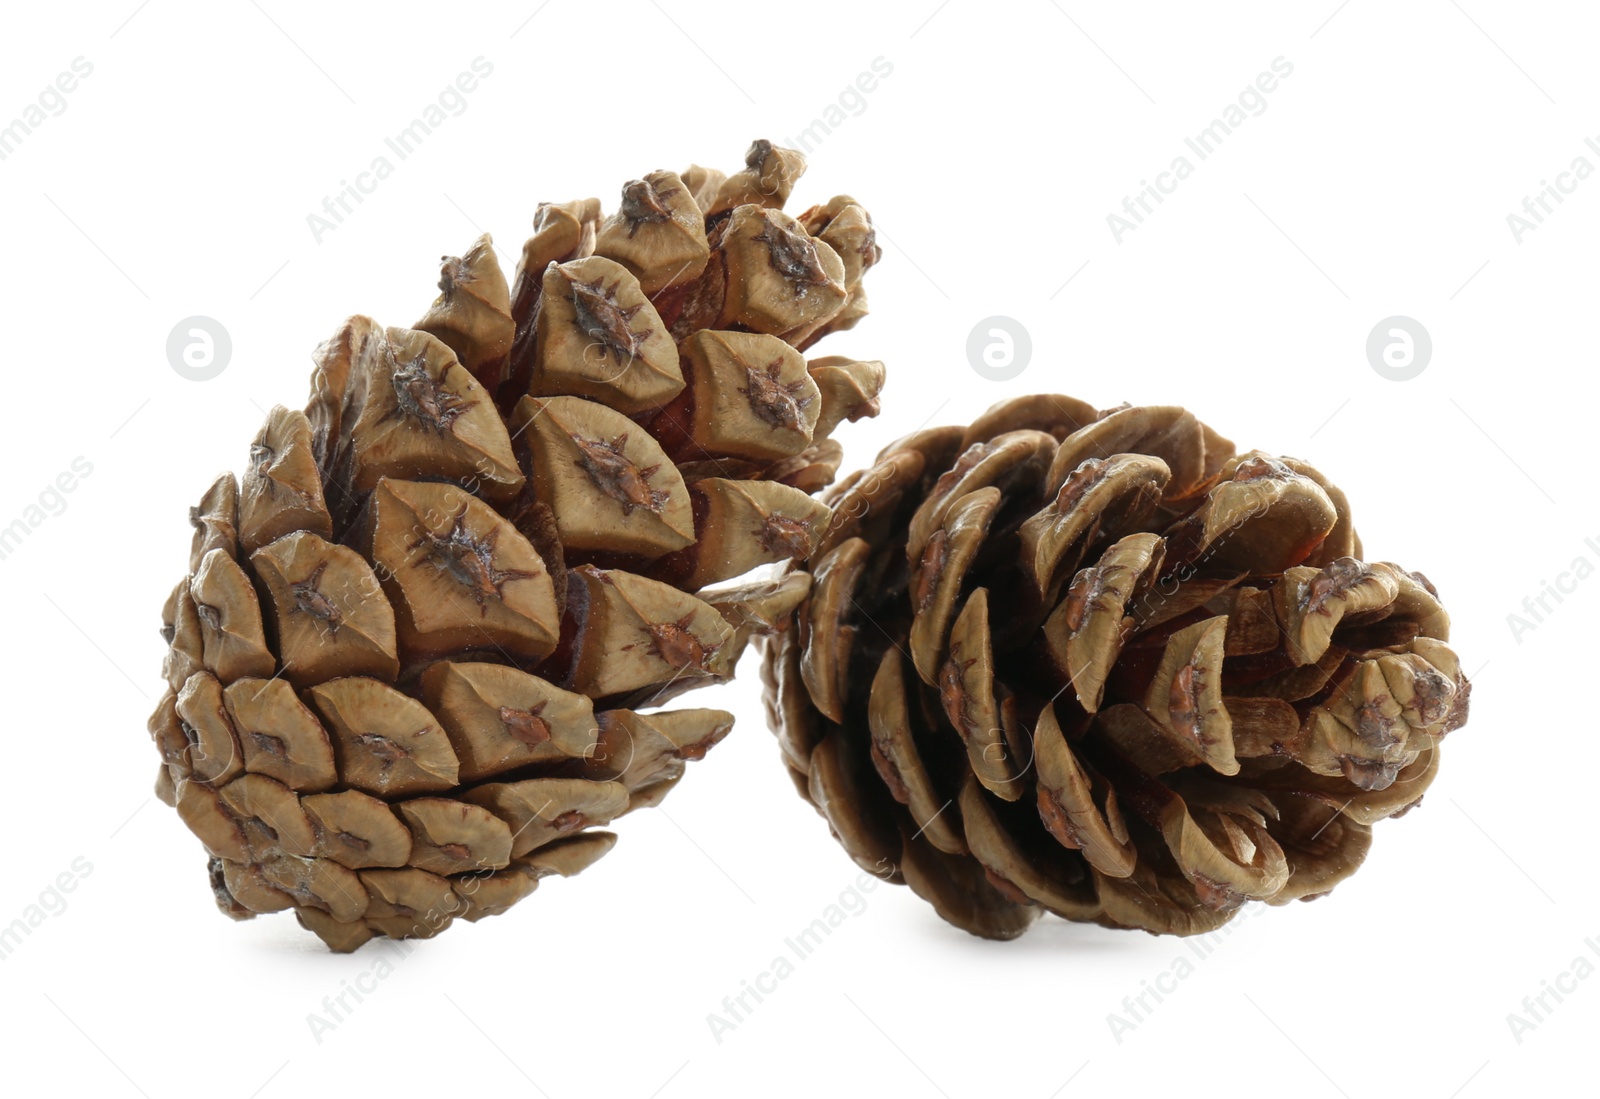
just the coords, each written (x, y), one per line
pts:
(1377, 182)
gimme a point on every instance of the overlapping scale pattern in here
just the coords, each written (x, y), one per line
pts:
(1102, 665)
(417, 660)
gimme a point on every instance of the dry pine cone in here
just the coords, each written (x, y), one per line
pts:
(1099, 664)
(406, 665)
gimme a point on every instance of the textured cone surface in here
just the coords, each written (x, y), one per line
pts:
(407, 666)
(1099, 664)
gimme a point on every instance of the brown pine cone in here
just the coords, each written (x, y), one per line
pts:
(406, 664)
(1101, 665)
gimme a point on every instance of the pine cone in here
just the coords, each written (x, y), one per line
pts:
(406, 664)
(1101, 665)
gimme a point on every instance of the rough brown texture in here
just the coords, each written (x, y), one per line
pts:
(1101, 665)
(407, 664)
